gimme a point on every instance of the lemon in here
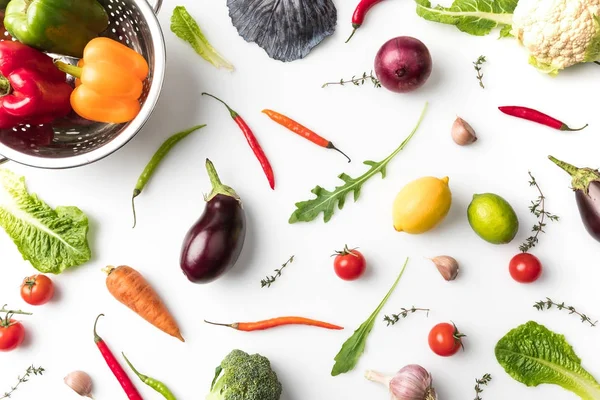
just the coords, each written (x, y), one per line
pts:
(422, 204)
(493, 218)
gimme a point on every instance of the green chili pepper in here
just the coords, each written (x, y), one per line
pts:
(153, 383)
(155, 160)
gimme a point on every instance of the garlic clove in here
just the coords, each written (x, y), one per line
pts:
(448, 266)
(462, 133)
(80, 382)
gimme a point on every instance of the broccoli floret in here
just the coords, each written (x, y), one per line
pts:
(242, 376)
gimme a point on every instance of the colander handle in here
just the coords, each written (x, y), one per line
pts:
(3, 160)
(155, 4)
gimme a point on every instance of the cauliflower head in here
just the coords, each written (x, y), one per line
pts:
(558, 33)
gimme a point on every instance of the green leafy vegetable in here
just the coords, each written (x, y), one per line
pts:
(533, 355)
(52, 240)
(354, 347)
(476, 17)
(325, 201)
(185, 27)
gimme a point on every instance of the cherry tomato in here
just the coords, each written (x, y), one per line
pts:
(445, 339)
(11, 335)
(349, 264)
(525, 268)
(37, 290)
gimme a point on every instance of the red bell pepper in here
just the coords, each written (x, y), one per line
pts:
(32, 90)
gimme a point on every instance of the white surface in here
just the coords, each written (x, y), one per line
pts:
(367, 124)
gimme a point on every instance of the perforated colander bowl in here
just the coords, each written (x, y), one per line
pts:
(74, 141)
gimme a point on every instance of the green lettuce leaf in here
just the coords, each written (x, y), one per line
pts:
(476, 17)
(533, 355)
(186, 28)
(52, 240)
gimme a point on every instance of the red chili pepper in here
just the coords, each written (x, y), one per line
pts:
(359, 14)
(537, 116)
(302, 130)
(252, 141)
(275, 322)
(118, 371)
(32, 90)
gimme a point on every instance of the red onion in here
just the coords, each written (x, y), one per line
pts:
(403, 64)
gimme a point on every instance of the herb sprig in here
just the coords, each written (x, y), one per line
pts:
(269, 280)
(549, 303)
(538, 209)
(478, 65)
(25, 378)
(394, 318)
(357, 81)
(485, 379)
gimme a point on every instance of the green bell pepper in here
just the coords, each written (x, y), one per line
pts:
(57, 26)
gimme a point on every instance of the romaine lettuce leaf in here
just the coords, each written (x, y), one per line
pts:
(533, 355)
(476, 17)
(52, 240)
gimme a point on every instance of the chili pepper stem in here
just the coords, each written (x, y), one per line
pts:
(135, 371)
(5, 87)
(136, 193)
(355, 27)
(565, 127)
(331, 146)
(234, 114)
(217, 185)
(96, 337)
(68, 68)
(234, 325)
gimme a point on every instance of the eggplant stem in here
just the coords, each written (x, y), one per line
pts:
(570, 169)
(217, 186)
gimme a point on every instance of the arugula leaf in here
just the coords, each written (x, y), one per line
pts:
(185, 27)
(325, 201)
(354, 347)
(476, 17)
(52, 240)
(532, 354)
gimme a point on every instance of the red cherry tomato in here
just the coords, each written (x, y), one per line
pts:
(37, 290)
(525, 268)
(349, 264)
(11, 335)
(445, 339)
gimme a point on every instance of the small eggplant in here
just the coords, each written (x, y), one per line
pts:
(214, 243)
(586, 184)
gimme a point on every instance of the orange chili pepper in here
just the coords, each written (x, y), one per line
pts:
(275, 322)
(109, 81)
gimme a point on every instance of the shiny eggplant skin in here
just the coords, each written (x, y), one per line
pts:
(589, 208)
(214, 243)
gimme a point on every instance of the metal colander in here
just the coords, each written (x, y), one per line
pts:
(72, 141)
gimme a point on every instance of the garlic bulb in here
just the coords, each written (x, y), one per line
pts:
(462, 133)
(412, 382)
(448, 267)
(80, 382)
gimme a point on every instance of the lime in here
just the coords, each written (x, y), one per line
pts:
(492, 218)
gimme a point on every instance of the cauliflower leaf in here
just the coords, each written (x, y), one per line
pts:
(476, 17)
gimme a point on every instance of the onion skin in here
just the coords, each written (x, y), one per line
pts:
(403, 64)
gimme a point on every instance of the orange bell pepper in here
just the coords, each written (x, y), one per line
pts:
(109, 81)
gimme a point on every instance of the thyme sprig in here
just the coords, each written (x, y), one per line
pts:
(394, 318)
(485, 379)
(357, 81)
(269, 280)
(538, 209)
(478, 65)
(25, 378)
(549, 303)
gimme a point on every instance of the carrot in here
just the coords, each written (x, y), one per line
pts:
(131, 289)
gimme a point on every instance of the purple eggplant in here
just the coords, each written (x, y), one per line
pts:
(214, 243)
(586, 184)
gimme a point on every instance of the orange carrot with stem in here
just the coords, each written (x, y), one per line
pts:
(129, 287)
(275, 322)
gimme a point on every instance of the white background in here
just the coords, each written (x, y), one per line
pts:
(366, 123)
